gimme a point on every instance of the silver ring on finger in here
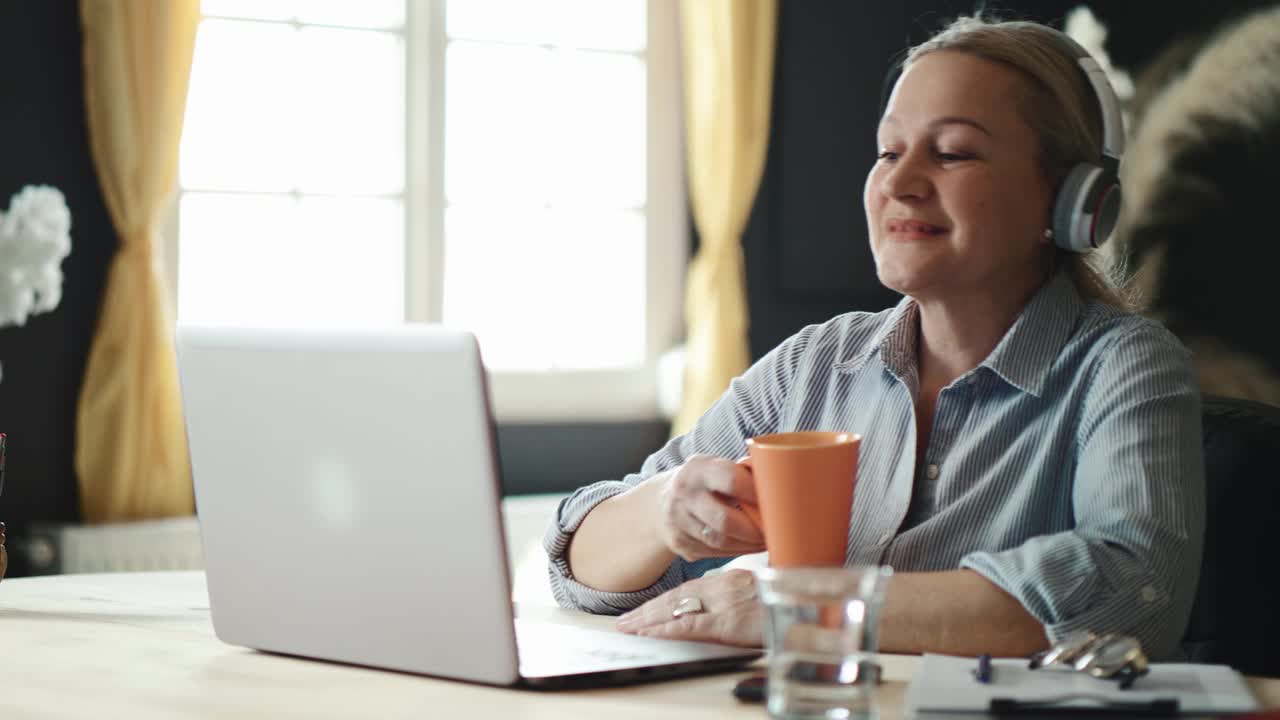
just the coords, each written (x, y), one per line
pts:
(688, 606)
(707, 533)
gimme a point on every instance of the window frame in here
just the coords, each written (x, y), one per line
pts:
(526, 396)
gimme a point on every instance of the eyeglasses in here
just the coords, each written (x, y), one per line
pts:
(1109, 656)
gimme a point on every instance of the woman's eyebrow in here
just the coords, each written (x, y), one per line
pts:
(944, 120)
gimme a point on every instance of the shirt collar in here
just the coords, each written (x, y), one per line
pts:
(895, 341)
(1023, 356)
(1029, 349)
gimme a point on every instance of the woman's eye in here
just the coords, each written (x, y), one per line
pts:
(953, 157)
(888, 155)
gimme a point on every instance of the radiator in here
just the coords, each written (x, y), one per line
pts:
(168, 544)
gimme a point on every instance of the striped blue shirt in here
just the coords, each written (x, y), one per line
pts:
(1066, 468)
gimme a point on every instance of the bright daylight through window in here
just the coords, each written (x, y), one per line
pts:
(308, 122)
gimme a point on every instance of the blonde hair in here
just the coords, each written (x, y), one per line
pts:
(1061, 109)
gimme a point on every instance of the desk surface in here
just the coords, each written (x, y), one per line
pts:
(141, 646)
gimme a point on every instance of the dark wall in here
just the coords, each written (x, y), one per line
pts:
(806, 241)
(43, 140)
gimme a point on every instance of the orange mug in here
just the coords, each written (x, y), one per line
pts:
(804, 489)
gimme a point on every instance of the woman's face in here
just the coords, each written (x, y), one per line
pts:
(956, 202)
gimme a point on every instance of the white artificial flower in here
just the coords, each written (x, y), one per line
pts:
(35, 235)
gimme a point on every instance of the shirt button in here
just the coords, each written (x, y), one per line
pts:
(932, 472)
(1149, 594)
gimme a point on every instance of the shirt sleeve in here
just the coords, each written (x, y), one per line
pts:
(1131, 563)
(753, 405)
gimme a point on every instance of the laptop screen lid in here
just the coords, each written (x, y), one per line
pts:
(348, 493)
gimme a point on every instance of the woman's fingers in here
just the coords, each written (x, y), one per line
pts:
(692, 542)
(696, 540)
(727, 610)
(730, 479)
(727, 523)
(654, 612)
(701, 627)
(699, 515)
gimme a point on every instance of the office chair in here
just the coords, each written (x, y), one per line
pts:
(1235, 620)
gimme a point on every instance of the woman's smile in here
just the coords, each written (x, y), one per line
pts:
(910, 230)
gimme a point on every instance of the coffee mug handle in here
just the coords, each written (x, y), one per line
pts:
(751, 509)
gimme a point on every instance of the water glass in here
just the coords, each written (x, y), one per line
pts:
(820, 631)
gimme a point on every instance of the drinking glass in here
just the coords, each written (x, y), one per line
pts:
(820, 629)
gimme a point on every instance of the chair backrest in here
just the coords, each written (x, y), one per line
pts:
(1235, 620)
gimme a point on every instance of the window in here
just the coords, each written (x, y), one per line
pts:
(509, 167)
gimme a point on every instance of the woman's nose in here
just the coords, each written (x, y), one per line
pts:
(905, 178)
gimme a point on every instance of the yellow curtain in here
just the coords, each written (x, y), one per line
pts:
(728, 74)
(131, 451)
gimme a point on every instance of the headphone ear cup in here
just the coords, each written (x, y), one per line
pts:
(1074, 208)
(1108, 213)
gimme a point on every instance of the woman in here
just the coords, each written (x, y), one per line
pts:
(1031, 460)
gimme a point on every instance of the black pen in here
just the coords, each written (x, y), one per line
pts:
(984, 673)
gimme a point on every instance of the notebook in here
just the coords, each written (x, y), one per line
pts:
(348, 487)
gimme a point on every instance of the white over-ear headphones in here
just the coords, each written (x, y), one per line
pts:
(1088, 201)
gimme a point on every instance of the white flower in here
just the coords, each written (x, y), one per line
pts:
(35, 235)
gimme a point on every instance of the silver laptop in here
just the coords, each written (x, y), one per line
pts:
(348, 490)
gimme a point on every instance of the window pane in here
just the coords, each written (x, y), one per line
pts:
(354, 13)
(240, 120)
(547, 289)
(499, 20)
(494, 284)
(496, 135)
(610, 25)
(231, 254)
(595, 267)
(353, 269)
(603, 25)
(345, 13)
(350, 117)
(251, 9)
(596, 110)
(272, 108)
(274, 260)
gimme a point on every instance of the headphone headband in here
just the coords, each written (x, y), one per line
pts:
(1112, 119)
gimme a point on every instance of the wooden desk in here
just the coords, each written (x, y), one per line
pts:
(140, 645)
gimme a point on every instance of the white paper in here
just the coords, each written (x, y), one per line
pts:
(943, 683)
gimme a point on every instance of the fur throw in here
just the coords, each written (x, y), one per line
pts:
(1198, 232)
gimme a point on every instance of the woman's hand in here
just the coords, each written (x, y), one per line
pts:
(731, 612)
(699, 513)
(629, 541)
